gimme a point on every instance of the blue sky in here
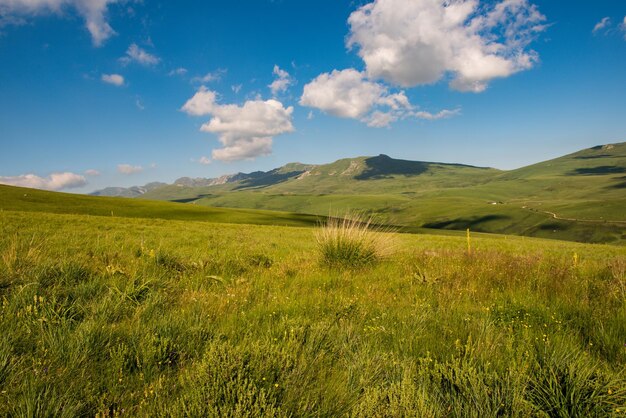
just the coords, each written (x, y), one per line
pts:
(100, 93)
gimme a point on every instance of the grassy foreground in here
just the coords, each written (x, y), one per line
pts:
(112, 316)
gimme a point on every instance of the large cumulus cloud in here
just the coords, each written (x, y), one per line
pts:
(410, 43)
(245, 131)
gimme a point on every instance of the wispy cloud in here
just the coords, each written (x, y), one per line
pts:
(210, 76)
(9, 20)
(93, 12)
(134, 53)
(606, 27)
(115, 79)
(180, 71)
(92, 173)
(442, 114)
(55, 181)
(602, 24)
(128, 169)
(282, 81)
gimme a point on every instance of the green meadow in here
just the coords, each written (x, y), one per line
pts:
(162, 309)
(31, 200)
(312, 209)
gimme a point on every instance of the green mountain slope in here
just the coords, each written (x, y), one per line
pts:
(361, 175)
(586, 185)
(579, 197)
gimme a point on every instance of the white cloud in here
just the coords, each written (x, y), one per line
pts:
(55, 181)
(442, 114)
(204, 160)
(129, 169)
(380, 119)
(281, 82)
(245, 132)
(177, 71)
(139, 103)
(236, 88)
(348, 94)
(410, 43)
(139, 55)
(605, 25)
(115, 79)
(92, 11)
(605, 22)
(202, 103)
(211, 76)
(92, 173)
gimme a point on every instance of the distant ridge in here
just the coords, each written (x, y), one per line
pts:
(359, 168)
(133, 191)
(579, 196)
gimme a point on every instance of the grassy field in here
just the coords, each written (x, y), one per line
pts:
(31, 200)
(122, 316)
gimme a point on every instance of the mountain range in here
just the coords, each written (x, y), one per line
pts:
(580, 196)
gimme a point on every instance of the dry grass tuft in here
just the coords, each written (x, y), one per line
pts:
(353, 241)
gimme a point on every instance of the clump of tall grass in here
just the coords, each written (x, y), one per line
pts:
(19, 253)
(352, 242)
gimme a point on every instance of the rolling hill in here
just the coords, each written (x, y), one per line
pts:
(19, 199)
(133, 191)
(580, 196)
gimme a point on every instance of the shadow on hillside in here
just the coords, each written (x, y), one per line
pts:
(191, 199)
(621, 185)
(553, 226)
(597, 171)
(464, 223)
(270, 179)
(384, 166)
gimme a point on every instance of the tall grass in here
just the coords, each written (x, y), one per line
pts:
(352, 241)
(121, 317)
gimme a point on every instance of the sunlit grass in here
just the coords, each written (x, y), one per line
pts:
(112, 316)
